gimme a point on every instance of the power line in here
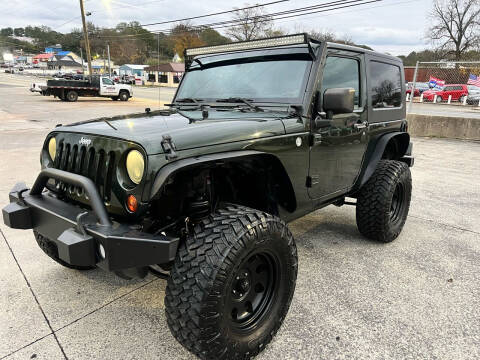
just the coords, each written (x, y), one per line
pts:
(214, 14)
(296, 12)
(363, 9)
(197, 17)
(298, 15)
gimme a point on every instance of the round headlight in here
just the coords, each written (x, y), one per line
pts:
(135, 166)
(52, 148)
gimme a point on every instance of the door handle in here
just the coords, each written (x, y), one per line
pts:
(361, 125)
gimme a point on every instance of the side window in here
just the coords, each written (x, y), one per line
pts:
(386, 85)
(106, 81)
(342, 72)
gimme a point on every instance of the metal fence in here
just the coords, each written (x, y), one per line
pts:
(453, 85)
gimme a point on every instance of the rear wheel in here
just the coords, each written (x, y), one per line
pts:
(123, 96)
(72, 96)
(384, 201)
(50, 248)
(462, 98)
(232, 283)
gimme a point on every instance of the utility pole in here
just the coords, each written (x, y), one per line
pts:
(109, 67)
(158, 71)
(87, 43)
(81, 56)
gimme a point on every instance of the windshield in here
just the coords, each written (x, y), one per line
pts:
(268, 81)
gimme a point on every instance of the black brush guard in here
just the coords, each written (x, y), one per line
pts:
(78, 233)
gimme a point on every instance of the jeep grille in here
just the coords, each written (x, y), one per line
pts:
(96, 164)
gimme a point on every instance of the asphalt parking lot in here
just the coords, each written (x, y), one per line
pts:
(416, 298)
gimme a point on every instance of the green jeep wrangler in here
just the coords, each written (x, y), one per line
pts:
(259, 133)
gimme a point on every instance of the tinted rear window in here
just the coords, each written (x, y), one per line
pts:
(386, 85)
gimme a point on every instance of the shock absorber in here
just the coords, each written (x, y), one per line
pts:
(198, 209)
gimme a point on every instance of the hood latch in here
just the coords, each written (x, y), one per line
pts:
(169, 147)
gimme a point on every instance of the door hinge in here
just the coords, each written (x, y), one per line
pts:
(169, 147)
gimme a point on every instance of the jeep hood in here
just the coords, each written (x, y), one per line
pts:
(186, 134)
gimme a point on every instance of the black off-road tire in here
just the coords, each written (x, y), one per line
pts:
(51, 250)
(384, 201)
(72, 96)
(123, 96)
(200, 304)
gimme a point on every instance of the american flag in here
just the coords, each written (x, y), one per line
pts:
(474, 80)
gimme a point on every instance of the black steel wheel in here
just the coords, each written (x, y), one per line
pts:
(384, 201)
(231, 284)
(252, 291)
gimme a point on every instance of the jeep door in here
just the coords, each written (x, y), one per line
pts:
(338, 145)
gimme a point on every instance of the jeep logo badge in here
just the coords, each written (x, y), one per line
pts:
(85, 141)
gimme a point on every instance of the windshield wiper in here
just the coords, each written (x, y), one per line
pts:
(240, 100)
(188, 100)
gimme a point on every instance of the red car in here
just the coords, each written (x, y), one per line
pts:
(458, 92)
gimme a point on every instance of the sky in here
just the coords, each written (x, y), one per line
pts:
(394, 26)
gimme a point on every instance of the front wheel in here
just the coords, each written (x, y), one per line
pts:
(232, 283)
(123, 96)
(462, 99)
(439, 99)
(384, 201)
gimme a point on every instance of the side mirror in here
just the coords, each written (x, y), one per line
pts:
(339, 100)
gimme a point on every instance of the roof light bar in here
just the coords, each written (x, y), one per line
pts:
(248, 45)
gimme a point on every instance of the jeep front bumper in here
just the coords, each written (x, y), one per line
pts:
(84, 237)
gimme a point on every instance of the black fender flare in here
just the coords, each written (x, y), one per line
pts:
(216, 159)
(166, 171)
(374, 153)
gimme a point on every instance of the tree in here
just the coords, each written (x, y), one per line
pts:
(456, 28)
(250, 24)
(6, 31)
(212, 37)
(19, 32)
(184, 36)
(330, 36)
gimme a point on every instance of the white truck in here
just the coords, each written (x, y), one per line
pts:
(99, 86)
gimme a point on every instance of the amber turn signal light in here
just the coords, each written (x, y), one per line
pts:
(132, 203)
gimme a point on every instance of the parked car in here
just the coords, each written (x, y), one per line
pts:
(473, 99)
(473, 95)
(58, 75)
(38, 87)
(78, 77)
(457, 91)
(419, 88)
